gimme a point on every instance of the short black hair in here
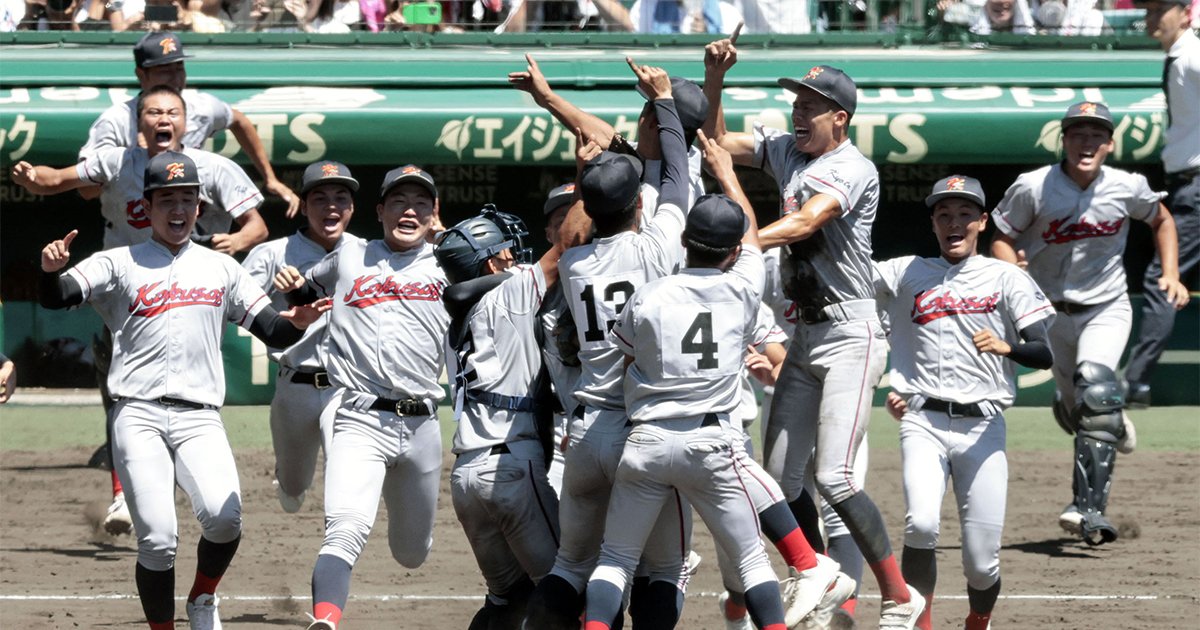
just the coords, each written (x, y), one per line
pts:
(701, 255)
(613, 222)
(155, 91)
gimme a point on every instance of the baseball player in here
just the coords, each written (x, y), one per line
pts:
(169, 386)
(158, 60)
(955, 319)
(499, 486)
(829, 194)
(1168, 21)
(598, 279)
(229, 194)
(1069, 221)
(384, 349)
(684, 337)
(300, 425)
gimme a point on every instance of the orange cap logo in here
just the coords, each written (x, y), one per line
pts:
(955, 183)
(175, 169)
(409, 170)
(570, 188)
(168, 45)
(814, 73)
(1087, 109)
(329, 170)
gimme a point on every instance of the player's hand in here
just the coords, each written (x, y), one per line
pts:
(654, 81)
(586, 150)
(227, 243)
(987, 341)
(896, 405)
(57, 254)
(304, 316)
(24, 174)
(279, 189)
(436, 227)
(716, 158)
(1177, 294)
(1022, 262)
(760, 366)
(720, 56)
(8, 381)
(531, 80)
(288, 279)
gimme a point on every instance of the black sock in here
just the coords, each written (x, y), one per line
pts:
(764, 603)
(845, 551)
(659, 608)
(808, 517)
(984, 601)
(554, 605)
(865, 523)
(331, 581)
(156, 589)
(212, 559)
(919, 567)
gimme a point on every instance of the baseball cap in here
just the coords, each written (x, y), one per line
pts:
(957, 186)
(829, 82)
(716, 221)
(609, 183)
(1088, 111)
(158, 49)
(170, 169)
(690, 102)
(407, 174)
(327, 172)
(559, 197)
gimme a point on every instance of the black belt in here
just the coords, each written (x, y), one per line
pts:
(171, 401)
(500, 401)
(812, 314)
(953, 409)
(320, 380)
(500, 449)
(710, 420)
(1071, 308)
(402, 407)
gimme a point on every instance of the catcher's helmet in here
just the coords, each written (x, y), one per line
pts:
(462, 249)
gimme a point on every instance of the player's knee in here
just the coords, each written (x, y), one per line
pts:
(836, 485)
(410, 552)
(921, 530)
(345, 537)
(982, 574)
(1099, 401)
(222, 523)
(156, 551)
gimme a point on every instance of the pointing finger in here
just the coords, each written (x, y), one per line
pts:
(68, 238)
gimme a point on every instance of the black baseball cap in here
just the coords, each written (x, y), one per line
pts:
(559, 197)
(158, 49)
(407, 174)
(609, 183)
(716, 221)
(829, 82)
(690, 102)
(1088, 111)
(170, 169)
(957, 186)
(327, 172)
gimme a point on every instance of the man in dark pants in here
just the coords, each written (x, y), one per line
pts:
(1169, 23)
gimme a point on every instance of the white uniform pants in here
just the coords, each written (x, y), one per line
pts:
(301, 425)
(508, 511)
(374, 453)
(1098, 335)
(934, 446)
(157, 446)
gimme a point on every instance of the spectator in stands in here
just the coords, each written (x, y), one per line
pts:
(671, 16)
(776, 16)
(11, 14)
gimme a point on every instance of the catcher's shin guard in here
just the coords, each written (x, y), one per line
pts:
(1094, 463)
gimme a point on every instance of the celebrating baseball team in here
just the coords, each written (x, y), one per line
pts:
(603, 392)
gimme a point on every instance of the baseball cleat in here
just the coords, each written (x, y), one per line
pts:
(118, 521)
(831, 603)
(804, 590)
(290, 504)
(842, 620)
(693, 563)
(733, 624)
(321, 624)
(893, 616)
(1071, 520)
(1128, 442)
(202, 613)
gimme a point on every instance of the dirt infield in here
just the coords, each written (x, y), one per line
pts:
(49, 549)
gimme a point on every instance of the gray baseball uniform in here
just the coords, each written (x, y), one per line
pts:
(146, 295)
(224, 186)
(564, 377)
(117, 126)
(498, 484)
(384, 344)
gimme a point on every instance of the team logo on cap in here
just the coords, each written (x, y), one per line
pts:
(329, 170)
(409, 170)
(1087, 109)
(175, 169)
(814, 73)
(570, 188)
(955, 183)
(168, 45)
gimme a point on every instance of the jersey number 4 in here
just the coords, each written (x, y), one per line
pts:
(699, 340)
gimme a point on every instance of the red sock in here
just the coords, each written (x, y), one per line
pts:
(325, 610)
(203, 585)
(117, 489)
(891, 583)
(796, 551)
(775, 626)
(978, 621)
(734, 611)
(850, 605)
(162, 625)
(598, 625)
(925, 621)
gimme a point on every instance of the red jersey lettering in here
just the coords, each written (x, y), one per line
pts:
(370, 290)
(928, 305)
(1062, 232)
(150, 302)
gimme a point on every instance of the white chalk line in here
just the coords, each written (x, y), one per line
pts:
(459, 598)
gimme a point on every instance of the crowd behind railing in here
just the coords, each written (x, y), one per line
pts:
(981, 17)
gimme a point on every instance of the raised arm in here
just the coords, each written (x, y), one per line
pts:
(47, 180)
(803, 223)
(532, 80)
(657, 83)
(56, 291)
(719, 57)
(247, 137)
(720, 164)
